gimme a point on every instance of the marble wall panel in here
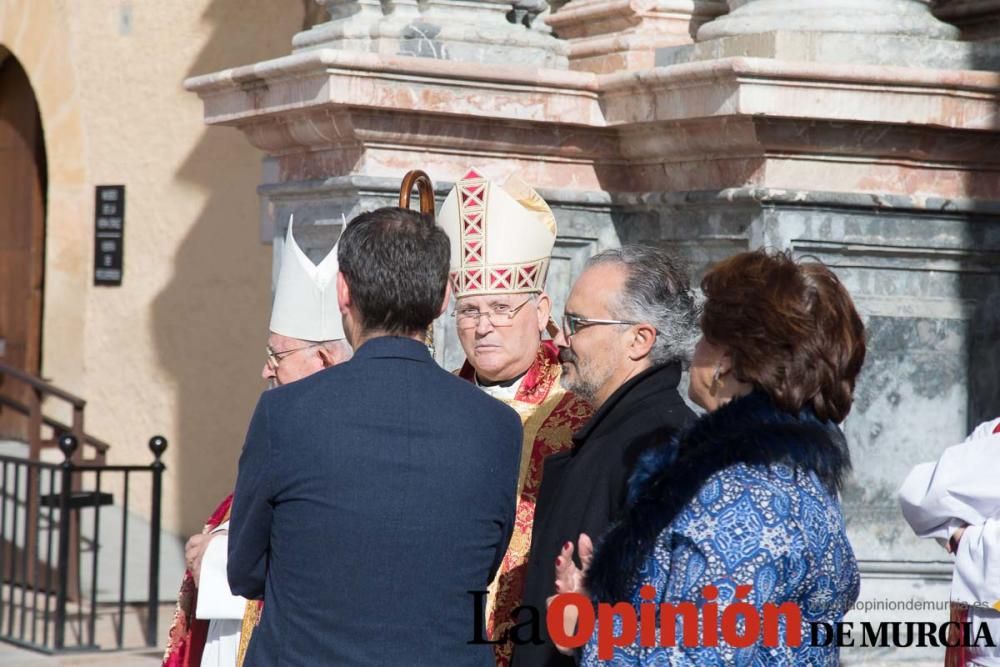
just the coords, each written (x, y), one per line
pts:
(926, 279)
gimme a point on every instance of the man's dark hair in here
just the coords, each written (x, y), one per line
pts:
(396, 265)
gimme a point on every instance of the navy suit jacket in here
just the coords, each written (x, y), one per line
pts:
(371, 497)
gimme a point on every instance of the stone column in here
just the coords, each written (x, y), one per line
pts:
(899, 33)
(464, 30)
(911, 18)
(611, 35)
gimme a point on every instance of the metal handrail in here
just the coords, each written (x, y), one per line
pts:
(98, 444)
(40, 390)
(41, 385)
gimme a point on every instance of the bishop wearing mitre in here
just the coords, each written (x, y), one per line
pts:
(501, 244)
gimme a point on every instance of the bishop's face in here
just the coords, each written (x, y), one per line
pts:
(290, 359)
(500, 333)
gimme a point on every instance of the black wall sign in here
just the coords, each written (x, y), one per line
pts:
(109, 234)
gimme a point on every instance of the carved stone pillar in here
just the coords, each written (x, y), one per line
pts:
(465, 30)
(911, 18)
(899, 33)
(610, 35)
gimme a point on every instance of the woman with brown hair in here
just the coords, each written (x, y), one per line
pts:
(742, 509)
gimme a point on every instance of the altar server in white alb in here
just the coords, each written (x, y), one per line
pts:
(956, 500)
(306, 336)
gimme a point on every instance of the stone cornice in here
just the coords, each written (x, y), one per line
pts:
(336, 66)
(753, 86)
(335, 78)
(745, 121)
(862, 75)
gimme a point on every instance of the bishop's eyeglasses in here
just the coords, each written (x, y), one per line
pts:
(500, 315)
(274, 357)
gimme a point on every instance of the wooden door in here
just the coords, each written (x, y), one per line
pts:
(22, 236)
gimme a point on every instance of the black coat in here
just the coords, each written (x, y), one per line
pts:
(584, 490)
(371, 498)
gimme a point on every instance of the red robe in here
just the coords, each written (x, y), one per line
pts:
(186, 640)
(550, 415)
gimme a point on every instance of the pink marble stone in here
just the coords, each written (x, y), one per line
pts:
(704, 125)
(612, 35)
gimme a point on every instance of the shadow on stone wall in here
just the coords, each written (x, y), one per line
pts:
(211, 320)
(983, 287)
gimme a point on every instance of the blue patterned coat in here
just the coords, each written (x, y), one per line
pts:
(748, 495)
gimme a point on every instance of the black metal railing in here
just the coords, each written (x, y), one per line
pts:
(50, 521)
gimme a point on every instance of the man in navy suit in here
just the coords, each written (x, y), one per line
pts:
(374, 495)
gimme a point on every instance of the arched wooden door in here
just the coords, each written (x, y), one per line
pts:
(22, 235)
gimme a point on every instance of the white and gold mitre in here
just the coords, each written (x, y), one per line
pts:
(305, 298)
(501, 237)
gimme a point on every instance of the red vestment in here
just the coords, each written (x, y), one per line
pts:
(550, 415)
(186, 639)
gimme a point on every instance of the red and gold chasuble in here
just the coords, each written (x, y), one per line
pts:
(186, 640)
(549, 415)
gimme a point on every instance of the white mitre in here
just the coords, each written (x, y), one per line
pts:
(305, 299)
(501, 237)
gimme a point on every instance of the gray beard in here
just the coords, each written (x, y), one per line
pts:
(580, 388)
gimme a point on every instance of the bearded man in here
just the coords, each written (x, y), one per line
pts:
(629, 324)
(501, 241)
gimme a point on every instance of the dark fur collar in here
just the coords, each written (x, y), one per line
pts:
(747, 430)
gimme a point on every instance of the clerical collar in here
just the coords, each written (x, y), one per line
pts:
(503, 384)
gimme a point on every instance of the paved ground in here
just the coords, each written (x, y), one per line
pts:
(107, 619)
(11, 656)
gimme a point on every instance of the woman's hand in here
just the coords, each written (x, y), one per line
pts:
(570, 579)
